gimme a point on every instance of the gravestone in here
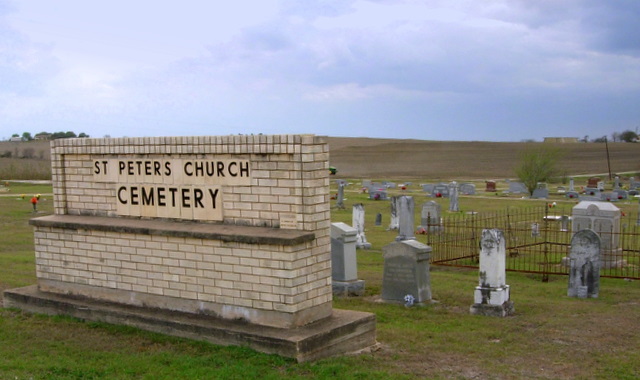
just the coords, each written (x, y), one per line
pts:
(517, 188)
(592, 191)
(620, 194)
(394, 221)
(584, 267)
(468, 189)
(428, 187)
(593, 182)
(440, 191)
(430, 218)
(571, 184)
(203, 237)
(378, 219)
(453, 197)
(492, 296)
(572, 195)
(378, 193)
(406, 272)
(406, 218)
(603, 218)
(366, 183)
(358, 224)
(600, 185)
(564, 223)
(490, 186)
(540, 192)
(340, 200)
(344, 266)
(616, 183)
(633, 184)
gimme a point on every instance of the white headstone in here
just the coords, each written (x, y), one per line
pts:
(406, 218)
(584, 273)
(492, 294)
(453, 197)
(358, 224)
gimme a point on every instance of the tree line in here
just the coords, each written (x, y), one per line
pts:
(26, 136)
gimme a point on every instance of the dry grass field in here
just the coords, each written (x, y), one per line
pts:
(433, 160)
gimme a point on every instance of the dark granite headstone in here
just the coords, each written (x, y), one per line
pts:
(406, 271)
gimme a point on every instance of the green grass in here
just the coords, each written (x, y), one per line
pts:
(550, 336)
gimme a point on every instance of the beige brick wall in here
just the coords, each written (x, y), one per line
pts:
(262, 283)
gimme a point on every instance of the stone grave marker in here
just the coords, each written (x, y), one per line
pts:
(440, 191)
(378, 193)
(430, 218)
(358, 224)
(453, 197)
(593, 182)
(603, 218)
(571, 184)
(428, 187)
(517, 188)
(378, 219)
(406, 272)
(394, 221)
(492, 296)
(340, 199)
(616, 183)
(344, 266)
(467, 188)
(584, 268)
(540, 192)
(406, 218)
(490, 186)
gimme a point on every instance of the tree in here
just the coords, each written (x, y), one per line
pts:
(628, 136)
(26, 136)
(83, 135)
(537, 165)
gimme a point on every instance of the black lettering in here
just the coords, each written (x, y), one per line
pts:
(134, 195)
(197, 198)
(130, 167)
(147, 167)
(139, 163)
(161, 196)
(147, 198)
(173, 191)
(199, 168)
(211, 170)
(97, 165)
(121, 166)
(186, 198)
(123, 201)
(213, 194)
(156, 168)
(220, 168)
(244, 169)
(186, 171)
(231, 165)
(167, 168)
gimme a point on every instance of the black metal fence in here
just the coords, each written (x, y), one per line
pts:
(537, 241)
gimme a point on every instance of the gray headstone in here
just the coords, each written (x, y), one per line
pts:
(428, 187)
(571, 184)
(603, 218)
(366, 183)
(467, 189)
(406, 271)
(406, 218)
(584, 273)
(453, 197)
(572, 195)
(358, 224)
(540, 192)
(492, 296)
(378, 193)
(616, 183)
(430, 218)
(394, 221)
(440, 190)
(378, 219)
(517, 188)
(340, 200)
(344, 266)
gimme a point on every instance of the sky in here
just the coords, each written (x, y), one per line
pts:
(464, 70)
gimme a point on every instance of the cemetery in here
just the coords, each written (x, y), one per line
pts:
(472, 277)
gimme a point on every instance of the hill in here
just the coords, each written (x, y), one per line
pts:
(391, 158)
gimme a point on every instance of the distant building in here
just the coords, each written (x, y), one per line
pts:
(15, 139)
(561, 140)
(43, 136)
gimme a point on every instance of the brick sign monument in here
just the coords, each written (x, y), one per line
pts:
(223, 238)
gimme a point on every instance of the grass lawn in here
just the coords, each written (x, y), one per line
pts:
(550, 336)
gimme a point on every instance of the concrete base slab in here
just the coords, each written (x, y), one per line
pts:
(503, 310)
(353, 288)
(344, 332)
